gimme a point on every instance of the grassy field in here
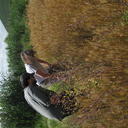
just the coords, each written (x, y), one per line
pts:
(4, 12)
(92, 37)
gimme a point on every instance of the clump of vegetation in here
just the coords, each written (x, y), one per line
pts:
(14, 110)
(125, 17)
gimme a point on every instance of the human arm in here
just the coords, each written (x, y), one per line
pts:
(41, 73)
(40, 95)
(32, 69)
(25, 58)
(54, 99)
(43, 62)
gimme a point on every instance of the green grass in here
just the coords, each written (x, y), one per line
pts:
(125, 17)
(46, 123)
(58, 87)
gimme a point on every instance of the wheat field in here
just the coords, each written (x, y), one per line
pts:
(92, 36)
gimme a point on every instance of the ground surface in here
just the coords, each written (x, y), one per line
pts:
(92, 36)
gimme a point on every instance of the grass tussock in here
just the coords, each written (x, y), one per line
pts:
(91, 35)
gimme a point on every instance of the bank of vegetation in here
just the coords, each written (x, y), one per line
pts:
(14, 111)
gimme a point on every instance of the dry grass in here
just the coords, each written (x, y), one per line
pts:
(91, 35)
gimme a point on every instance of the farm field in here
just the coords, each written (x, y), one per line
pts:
(92, 37)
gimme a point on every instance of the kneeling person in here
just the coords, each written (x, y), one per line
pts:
(44, 101)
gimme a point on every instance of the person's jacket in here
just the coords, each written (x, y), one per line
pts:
(39, 99)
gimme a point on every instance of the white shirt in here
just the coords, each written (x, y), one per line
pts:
(31, 69)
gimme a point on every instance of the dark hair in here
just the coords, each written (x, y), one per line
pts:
(24, 79)
(30, 52)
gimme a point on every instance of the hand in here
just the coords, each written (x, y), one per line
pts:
(42, 74)
(50, 65)
(55, 99)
